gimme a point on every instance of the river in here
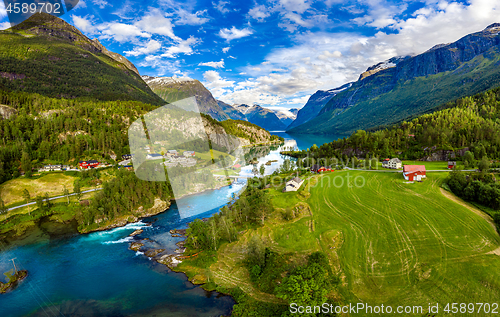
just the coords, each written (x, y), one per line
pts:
(97, 275)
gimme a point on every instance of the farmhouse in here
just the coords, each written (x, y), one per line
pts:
(393, 163)
(126, 156)
(171, 153)
(315, 168)
(188, 153)
(154, 156)
(452, 164)
(181, 160)
(385, 163)
(414, 172)
(293, 185)
(88, 164)
(50, 168)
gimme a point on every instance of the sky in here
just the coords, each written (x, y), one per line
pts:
(273, 53)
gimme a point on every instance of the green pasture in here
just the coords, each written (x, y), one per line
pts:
(394, 243)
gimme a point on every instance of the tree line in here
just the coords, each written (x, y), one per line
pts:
(469, 122)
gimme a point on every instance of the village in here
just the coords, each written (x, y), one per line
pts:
(411, 173)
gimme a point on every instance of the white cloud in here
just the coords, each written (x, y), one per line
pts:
(221, 6)
(181, 47)
(4, 25)
(213, 64)
(328, 60)
(101, 3)
(216, 84)
(156, 23)
(150, 47)
(188, 18)
(225, 49)
(299, 6)
(84, 24)
(3, 12)
(234, 33)
(259, 13)
(121, 32)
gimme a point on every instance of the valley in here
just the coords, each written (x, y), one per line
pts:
(384, 190)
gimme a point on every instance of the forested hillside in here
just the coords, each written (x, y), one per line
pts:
(46, 55)
(470, 123)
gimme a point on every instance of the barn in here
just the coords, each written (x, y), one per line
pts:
(452, 164)
(414, 172)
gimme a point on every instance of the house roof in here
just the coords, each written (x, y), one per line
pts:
(93, 161)
(386, 160)
(413, 168)
(297, 180)
(237, 166)
(395, 160)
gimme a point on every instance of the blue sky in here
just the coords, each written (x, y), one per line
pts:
(273, 53)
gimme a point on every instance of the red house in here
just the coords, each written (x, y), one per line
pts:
(88, 164)
(322, 169)
(414, 172)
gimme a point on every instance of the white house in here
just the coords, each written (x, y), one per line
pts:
(154, 156)
(393, 163)
(293, 185)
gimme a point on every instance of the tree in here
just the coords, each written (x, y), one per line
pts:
(26, 164)
(77, 190)
(39, 202)
(255, 171)
(26, 195)
(3, 209)
(48, 204)
(484, 164)
(262, 170)
(468, 159)
(66, 193)
(255, 252)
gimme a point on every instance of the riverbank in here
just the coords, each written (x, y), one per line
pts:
(13, 282)
(63, 220)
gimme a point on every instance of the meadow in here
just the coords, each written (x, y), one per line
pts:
(402, 244)
(389, 242)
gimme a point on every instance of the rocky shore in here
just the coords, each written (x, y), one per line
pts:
(158, 207)
(14, 281)
(171, 260)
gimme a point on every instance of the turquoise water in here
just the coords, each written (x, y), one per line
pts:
(97, 275)
(305, 141)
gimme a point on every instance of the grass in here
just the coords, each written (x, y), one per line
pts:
(52, 183)
(390, 242)
(404, 243)
(439, 165)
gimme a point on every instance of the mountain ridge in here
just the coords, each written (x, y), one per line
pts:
(59, 61)
(415, 85)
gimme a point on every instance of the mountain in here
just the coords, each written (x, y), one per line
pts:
(232, 112)
(48, 56)
(287, 116)
(409, 86)
(315, 103)
(262, 117)
(172, 89)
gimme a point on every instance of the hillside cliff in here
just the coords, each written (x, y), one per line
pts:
(173, 89)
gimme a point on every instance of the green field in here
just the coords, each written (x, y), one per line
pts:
(389, 242)
(397, 243)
